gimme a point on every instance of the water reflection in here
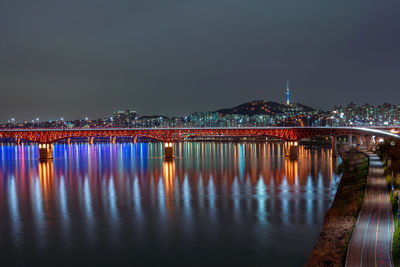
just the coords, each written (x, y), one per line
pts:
(63, 206)
(261, 197)
(88, 210)
(14, 210)
(237, 203)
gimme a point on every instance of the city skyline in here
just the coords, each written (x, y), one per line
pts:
(286, 94)
(259, 113)
(286, 98)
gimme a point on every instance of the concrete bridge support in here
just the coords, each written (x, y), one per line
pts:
(45, 151)
(292, 150)
(350, 139)
(368, 143)
(375, 143)
(169, 151)
(91, 140)
(358, 140)
(371, 145)
(334, 146)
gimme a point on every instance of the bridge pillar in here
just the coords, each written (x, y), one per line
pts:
(68, 141)
(375, 143)
(358, 140)
(169, 151)
(135, 139)
(334, 146)
(91, 140)
(292, 150)
(45, 151)
(368, 141)
(18, 141)
(350, 139)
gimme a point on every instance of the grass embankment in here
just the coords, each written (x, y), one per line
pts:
(389, 151)
(340, 220)
(396, 234)
(393, 200)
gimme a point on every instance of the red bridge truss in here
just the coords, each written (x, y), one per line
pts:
(44, 136)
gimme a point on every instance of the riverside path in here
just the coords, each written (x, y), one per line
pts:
(371, 242)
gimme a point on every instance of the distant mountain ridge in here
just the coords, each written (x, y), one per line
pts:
(261, 107)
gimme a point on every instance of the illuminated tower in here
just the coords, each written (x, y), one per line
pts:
(287, 93)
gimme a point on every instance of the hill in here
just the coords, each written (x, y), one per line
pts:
(259, 107)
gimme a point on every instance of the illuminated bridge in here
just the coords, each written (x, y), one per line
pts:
(46, 137)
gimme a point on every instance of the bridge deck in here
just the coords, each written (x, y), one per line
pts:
(176, 134)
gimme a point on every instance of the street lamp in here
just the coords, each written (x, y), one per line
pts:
(37, 119)
(12, 122)
(392, 144)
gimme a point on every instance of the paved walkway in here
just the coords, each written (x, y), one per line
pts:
(371, 242)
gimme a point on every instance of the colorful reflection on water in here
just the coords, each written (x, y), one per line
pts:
(240, 204)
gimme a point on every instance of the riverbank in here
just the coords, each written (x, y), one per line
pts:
(340, 220)
(389, 152)
(396, 233)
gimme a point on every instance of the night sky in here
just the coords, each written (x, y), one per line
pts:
(74, 59)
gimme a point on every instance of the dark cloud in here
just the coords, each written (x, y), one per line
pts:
(89, 58)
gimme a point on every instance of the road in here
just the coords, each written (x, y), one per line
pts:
(371, 242)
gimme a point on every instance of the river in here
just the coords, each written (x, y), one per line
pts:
(215, 204)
